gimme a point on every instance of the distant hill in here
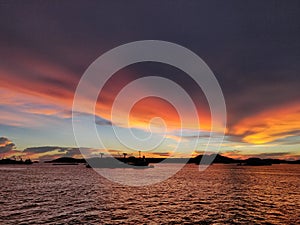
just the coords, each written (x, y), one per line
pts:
(14, 161)
(66, 160)
(215, 158)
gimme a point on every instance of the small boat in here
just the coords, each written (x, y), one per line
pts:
(138, 162)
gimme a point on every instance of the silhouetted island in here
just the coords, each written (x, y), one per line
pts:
(257, 162)
(15, 161)
(66, 160)
(123, 162)
(131, 162)
(214, 158)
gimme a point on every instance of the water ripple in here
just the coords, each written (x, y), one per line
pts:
(223, 194)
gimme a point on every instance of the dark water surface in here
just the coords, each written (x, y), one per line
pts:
(223, 194)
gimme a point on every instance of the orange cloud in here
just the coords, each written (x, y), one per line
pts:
(269, 125)
(36, 79)
(22, 110)
(152, 107)
(149, 108)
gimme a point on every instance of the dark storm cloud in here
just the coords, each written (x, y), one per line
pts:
(103, 122)
(6, 145)
(64, 151)
(43, 149)
(3, 140)
(98, 120)
(7, 148)
(252, 47)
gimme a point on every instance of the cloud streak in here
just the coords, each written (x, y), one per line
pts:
(269, 125)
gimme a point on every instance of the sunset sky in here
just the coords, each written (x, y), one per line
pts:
(252, 48)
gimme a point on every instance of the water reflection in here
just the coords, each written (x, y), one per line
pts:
(223, 194)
